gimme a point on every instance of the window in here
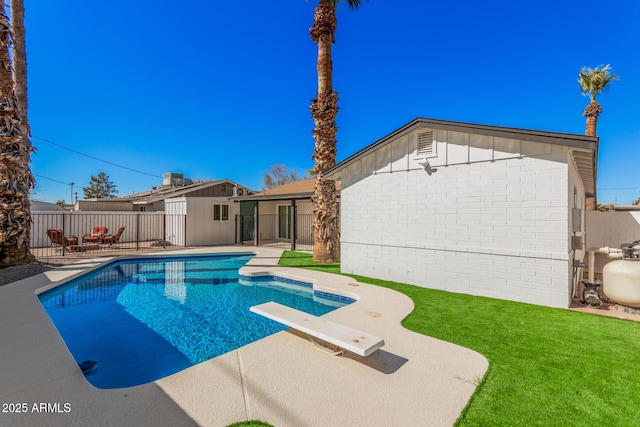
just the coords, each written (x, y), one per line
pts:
(220, 212)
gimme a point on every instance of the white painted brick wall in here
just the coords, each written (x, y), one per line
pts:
(496, 229)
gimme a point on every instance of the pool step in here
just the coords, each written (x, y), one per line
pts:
(215, 277)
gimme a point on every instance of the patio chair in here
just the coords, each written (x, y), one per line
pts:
(113, 238)
(96, 234)
(57, 239)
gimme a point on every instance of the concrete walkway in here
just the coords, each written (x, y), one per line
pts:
(414, 380)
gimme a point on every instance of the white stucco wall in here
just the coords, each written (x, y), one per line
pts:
(199, 228)
(202, 229)
(491, 228)
(612, 228)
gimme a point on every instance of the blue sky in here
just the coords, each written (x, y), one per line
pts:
(221, 90)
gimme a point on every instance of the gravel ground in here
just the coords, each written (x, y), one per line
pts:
(19, 272)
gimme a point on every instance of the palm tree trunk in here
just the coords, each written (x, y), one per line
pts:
(19, 51)
(15, 176)
(20, 62)
(326, 227)
(592, 111)
(591, 125)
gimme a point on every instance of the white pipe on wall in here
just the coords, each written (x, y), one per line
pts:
(610, 252)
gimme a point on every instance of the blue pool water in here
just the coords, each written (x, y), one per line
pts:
(145, 319)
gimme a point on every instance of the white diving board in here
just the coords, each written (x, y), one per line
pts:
(342, 336)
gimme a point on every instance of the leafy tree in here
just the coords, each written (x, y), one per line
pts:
(61, 203)
(605, 208)
(594, 81)
(100, 188)
(278, 175)
(324, 108)
(636, 203)
(16, 179)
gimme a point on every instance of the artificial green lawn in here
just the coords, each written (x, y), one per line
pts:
(547, 367)
(250, 424)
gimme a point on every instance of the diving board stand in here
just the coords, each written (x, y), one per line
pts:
(341, 336)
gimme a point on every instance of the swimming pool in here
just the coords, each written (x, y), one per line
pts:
(145, 319)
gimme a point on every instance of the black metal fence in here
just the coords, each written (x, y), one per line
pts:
(294, 232)
(66, 233)
(55, 234)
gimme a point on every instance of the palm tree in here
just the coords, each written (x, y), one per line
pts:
(326, 227)
(592, 83)
(16, 179)
(20, 61)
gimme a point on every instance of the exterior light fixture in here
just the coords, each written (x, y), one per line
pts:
(426, 166)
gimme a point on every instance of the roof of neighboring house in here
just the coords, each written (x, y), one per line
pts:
(161, 193)
(37, 205)
(299, 189)
(170, 192)
(585, 153)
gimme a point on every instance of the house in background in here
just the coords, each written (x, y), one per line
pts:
(284, 216)
(155, 200)
(117, 204)
(467, 208)
(174, 186)
(191, 214)
(37, 205)
(200, 214)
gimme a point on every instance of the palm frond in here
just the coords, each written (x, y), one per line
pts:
(594, 81)
(353, 4)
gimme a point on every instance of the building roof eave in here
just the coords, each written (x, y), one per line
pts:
(297, 196)
(564, 139)
(586, 165)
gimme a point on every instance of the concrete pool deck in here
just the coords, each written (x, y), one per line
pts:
(282, 379)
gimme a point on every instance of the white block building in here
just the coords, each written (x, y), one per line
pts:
(467, 208)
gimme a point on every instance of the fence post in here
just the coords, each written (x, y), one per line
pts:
(242, 229)
(256, 222)
(185, 230)
(137, 231)
(164, 227)
(294, 222)
(64, 243)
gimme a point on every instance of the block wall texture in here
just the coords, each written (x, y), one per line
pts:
(496, 229)
(612, 229)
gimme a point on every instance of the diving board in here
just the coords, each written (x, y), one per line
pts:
(342, 336)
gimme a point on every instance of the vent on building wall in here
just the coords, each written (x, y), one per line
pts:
(425, 144)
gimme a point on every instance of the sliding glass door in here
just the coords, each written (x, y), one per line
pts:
(284, 222)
